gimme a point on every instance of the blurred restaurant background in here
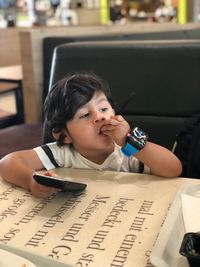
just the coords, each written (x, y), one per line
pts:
(51, 13)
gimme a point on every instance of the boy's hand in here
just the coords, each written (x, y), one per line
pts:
(117, 128)
(42, 191)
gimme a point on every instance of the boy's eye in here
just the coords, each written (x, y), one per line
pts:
(104, 109)
(84, 116)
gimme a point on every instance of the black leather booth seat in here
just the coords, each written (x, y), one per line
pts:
(49, 43)
(160, 80)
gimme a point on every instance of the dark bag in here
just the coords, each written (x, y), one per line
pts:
(187, 147)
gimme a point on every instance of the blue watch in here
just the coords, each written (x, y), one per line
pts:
(134, 142)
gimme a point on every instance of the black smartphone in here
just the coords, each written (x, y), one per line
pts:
(64, 185)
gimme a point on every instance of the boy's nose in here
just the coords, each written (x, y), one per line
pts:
(99, 119)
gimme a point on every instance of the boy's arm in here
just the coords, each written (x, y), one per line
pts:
(161, 161)
(18, 168)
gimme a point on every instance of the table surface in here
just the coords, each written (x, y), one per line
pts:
(12, 73)
(119, 216)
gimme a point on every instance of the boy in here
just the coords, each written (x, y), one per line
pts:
(79, 113)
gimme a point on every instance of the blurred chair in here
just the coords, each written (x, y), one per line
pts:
(14, 134)
(10, 118)
(155, 83)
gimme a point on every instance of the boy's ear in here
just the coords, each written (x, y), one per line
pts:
(67, 138)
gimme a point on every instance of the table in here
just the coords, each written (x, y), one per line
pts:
(14, 74)
(115, 222)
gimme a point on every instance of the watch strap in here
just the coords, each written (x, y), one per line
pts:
(128, 150)
(135, 141)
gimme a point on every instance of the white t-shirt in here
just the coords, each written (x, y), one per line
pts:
(65, 156)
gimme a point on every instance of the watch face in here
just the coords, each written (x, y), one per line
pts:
(138, 138)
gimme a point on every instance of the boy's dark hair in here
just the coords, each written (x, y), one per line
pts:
(67, 96)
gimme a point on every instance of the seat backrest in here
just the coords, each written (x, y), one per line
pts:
(49, 43)
(158, 80)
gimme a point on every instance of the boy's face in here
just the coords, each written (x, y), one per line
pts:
(84, 130)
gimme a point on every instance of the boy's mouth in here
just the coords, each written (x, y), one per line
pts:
(100, 131)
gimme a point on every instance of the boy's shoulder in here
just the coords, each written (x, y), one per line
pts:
(53, 155)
